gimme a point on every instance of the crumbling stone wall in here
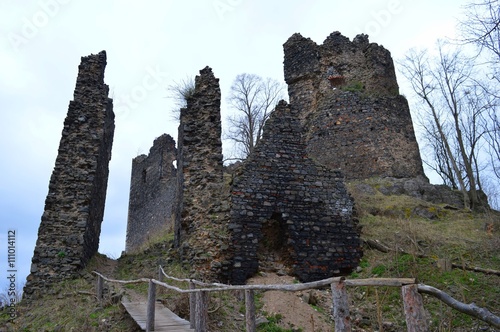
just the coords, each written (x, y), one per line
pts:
(360, 124)
(199, 161)
(307, 203)
(68, 235)
(153, 187)
(364, 136)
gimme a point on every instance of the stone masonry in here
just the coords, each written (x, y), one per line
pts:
(69, 231)
(199, 159)
(357, 121)
(153, 188)
(364, 136)
(286, 206)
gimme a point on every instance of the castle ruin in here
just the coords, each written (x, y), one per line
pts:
(286, 205)
(69, 231)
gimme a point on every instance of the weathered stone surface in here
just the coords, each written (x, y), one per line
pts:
(420, 188)
(153, 187)
(285, 204)
(364, 136)
(68, 235)
(360, 125)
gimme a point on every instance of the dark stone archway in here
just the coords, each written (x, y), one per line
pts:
(274, 252)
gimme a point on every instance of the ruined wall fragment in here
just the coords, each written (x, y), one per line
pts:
(281, 196)
(199, 159)
(69, 231)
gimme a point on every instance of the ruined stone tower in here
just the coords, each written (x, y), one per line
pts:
(349, 103)
(199, 159)
(69, 231)
(153, 187)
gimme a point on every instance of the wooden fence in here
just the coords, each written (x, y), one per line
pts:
(198, 299)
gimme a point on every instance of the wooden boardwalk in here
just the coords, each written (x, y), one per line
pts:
(165, 320)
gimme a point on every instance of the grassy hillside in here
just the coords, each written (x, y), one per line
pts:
(462, 237)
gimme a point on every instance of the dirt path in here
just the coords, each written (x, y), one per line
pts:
(107, 267)
(295, 311)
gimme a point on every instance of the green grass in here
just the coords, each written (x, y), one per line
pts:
(355, 86)
(70, 306)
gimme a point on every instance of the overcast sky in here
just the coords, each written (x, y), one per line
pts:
(41, 44)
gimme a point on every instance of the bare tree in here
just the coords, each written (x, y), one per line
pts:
(180, 91)
(454, 113)
(253, 99)
(482, 27)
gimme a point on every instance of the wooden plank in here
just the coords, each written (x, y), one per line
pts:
(165, 320)
(390, 282)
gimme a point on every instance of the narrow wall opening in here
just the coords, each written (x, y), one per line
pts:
(273, 251)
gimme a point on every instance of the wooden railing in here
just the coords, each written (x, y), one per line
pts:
(198, 299)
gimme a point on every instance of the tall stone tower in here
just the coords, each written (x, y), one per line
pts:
(349, 102)
(68, 235)
(153, 186)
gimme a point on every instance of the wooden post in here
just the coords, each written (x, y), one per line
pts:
(444, 264)
(341, 307)
(414, 309)
(250, 310)
(192, 306)
(201, 311)
(150, 313)
(99, 288)
(160, 275)
(160, 278)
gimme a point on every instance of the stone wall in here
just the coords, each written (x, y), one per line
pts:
(364, 136)
(289, 209)
(199, 159)
(358, 123)
(69, 231)
(153, 187)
